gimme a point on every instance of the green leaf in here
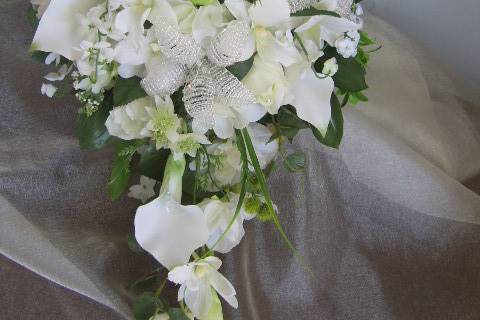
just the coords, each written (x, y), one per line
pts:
(177, 314)
(295, 162)
(152, 163)
(350, 75)
(146, 306)
(91, 130)
(315, 12)
(32, 17)
(365, 39)
(121, 167)
(133, 245)
(289, 124)
(334, 134)
(146, 283)
(127, 90)
(241, 69)
(39, 56)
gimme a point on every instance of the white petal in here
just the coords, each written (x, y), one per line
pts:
(271, 49)
(48, 89)
(238, 8)
(223, 127)
(199, 301)
(59, 30)
(269, 13)
(223, 287)
(312, 99)
(127, 71)
(170, 231)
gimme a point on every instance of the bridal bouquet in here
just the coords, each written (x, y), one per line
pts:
(199, 98)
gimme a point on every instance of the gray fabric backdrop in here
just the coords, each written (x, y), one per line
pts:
(388, 222)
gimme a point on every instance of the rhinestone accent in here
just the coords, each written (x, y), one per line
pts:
(177, 46)
(228, 47)
(229, 89)
(164, 78)
(299, 5)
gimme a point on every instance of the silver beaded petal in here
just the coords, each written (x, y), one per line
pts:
(198, 96)
(229, 89)
(164, 78)
(344, 9)
(299, 5)
(176, 45)
(229, 46)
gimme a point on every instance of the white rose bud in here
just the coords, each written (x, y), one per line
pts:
(330, 67)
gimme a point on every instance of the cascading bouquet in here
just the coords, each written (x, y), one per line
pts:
(201, 96)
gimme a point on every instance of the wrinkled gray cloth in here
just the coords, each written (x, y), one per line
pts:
(387, 223)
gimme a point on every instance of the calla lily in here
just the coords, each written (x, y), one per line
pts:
(196, 281)
(60, 30)
(167, 230)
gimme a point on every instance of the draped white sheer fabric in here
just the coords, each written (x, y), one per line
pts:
(386, 222)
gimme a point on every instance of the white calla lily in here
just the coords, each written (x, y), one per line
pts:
(196, 281)
(167, 230)
(60, 29)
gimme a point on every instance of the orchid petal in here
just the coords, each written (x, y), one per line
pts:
(269, 13)
(312, 99)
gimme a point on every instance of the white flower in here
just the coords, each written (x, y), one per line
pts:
(347, 45)
(164, 123)
(228, 118)
(269, 13)
(228, 170)
(326, 28)
(265, 149)
(279, 48)
(330, 67)
(266, 80)
(219, 214)
(187, 143)
(167, 230)
(208, 21)
(59, 30)
(310, 94)
(144, 190)
(60, 74)
(130, 121)
(51, 57)
(40, 6)
(196, 281)
(48, 89)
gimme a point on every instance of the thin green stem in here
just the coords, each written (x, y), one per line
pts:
(268, 200)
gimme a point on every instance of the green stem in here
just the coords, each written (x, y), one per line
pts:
(268, 200)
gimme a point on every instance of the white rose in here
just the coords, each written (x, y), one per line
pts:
(330, 67)
(130, 121)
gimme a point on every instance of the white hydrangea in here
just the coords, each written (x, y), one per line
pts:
(347, 44)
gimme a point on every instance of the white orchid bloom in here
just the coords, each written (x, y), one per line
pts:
(60, 30)
(277, 48)
(167, 230)
(267, 81)
(265, 149)
(228, 118)
(329, 28)
(269, 13)
(144, 190)
(196, 281)
(209, 20)
(219, 215)
(187, 143)
(48, 89)
(60, 74)
(310, 94)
